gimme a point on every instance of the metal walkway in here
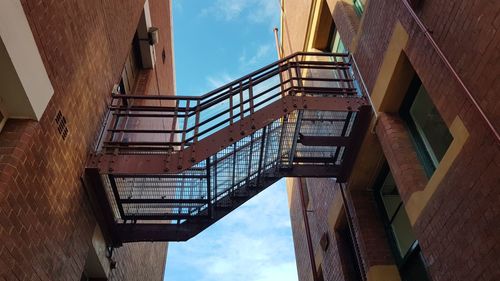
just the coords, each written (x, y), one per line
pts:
(167, 167)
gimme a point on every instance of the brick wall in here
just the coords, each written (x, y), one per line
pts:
(47, 223)
(304, 269)
(368, 229)
(458, 230)
(321, 194)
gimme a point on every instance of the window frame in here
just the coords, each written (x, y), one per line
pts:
(421, 148)
(359, 7)
(414, 249)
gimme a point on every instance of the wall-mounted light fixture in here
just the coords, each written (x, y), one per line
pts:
(153, 35)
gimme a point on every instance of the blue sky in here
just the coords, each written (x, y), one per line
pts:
(215, 42)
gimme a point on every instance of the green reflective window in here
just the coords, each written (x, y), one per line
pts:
(396, 215)
(336, 45)
(403, 232)
(358, 7)
(403, 242)
(427, 129)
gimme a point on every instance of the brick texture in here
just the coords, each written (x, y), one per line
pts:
(47, 222)
(458, 230)
(304, 268)
(369, 232)
(400, 154)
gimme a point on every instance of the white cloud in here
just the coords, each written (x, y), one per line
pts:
(257, 11)
(219, 80)
(263, 51)
(253, 243)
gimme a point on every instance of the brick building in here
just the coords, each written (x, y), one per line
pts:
(422, 200)
(59, 63)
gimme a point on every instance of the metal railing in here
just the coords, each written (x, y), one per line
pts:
(164, 124)
(302, 116)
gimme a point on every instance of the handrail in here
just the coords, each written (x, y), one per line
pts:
(201, 115)
(232, 83)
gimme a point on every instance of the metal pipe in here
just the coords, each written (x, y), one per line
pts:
(450, 67)
(276, 38)
(308, 231)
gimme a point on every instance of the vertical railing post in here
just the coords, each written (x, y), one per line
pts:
(231, 105)
(184, 126)
(241, 102)
(209, 197)
(250, 159)
(300, 114)
(196, 122)
(174, 122)
(250, 95)
(261, 154)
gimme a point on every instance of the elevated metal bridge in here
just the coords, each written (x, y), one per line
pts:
(167, 167)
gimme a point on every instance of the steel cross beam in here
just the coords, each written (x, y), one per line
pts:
(181, 160)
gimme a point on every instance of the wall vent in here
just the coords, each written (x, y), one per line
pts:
(61, 125)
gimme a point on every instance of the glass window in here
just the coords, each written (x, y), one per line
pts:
(336, 44)
(400, 232)
(427, 129)
(396, 215)
(346, 250)
(359, 8)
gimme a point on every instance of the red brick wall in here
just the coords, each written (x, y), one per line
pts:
(399, 151)
(47, 223)
(458, 230)
(304, 268)
(369, 231)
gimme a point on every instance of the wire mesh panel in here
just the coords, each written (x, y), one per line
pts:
(229, 171)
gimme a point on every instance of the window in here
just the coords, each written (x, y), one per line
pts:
(346, 250)
(336, 45)
(359, 7)
(323, 27)
(403, 242)
(428, 131)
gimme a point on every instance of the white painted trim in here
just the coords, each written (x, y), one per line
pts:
(147, 56)
(23, 52)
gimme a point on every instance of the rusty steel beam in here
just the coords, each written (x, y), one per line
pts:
(181, 160)
(357, 135)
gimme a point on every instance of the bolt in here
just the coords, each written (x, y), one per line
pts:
(193, 160)
(253, 127)
(179, 167)
(242, 133)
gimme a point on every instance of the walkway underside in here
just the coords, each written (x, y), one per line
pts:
(167, 168)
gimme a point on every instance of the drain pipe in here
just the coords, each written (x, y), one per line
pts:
(277, 40)
(308, 231)
(450, 67)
